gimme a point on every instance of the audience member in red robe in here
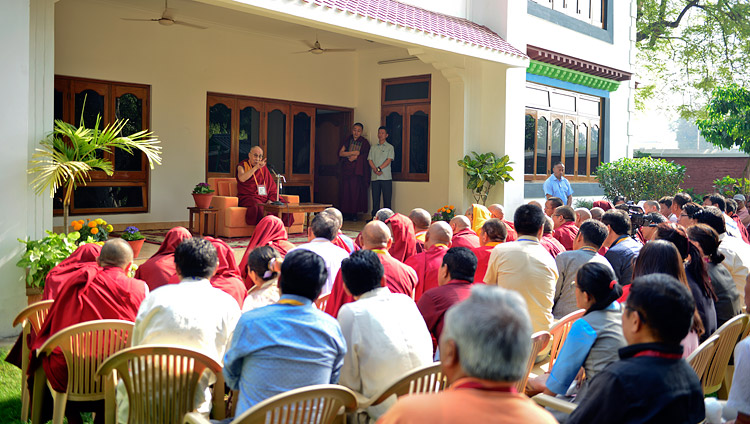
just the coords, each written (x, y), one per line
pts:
(270, 231)
(399, 278)
(493, 232)
(255, 186)
(159, 268)
(498, 212)
(565, 226)
(548, 241)
(92, 293)
(427, 263)
(404, 241)
(421, 220)
(85, 255)
(455, 278)
(463, 235)
(355, 173)
(227, 276)
(603, 204)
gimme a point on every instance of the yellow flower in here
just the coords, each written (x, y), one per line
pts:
(99, 221)
(109, 228)
(92, 224)
(94, 230)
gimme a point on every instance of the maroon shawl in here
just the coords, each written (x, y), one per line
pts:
(159, 268)
(404, 238)
(85, 255)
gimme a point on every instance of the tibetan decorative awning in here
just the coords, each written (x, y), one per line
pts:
(572, 63)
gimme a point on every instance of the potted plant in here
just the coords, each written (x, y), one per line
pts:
(446, 213)
(134, 238)
(70, 153)
(41, 256)
(484, 172)
(91, 231)
(202, 194)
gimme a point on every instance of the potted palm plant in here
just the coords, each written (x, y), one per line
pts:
(70, 153)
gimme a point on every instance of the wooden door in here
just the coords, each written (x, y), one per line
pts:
(331, 127)
(276, 118)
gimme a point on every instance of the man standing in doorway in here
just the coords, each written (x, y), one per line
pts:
(380, 159)
(558, 186)
(355, 175)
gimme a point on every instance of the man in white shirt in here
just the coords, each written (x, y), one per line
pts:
(385, 334)
(736, 252)
(192, 314)
(321, 233)
(526, 267)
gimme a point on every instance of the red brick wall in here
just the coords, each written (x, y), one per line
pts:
(700, 172)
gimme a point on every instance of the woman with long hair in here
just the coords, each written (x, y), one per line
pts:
(696, 273)
(728, 303)
(662, 257)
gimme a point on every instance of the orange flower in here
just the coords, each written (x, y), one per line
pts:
(94, 230)
(92, 224)
(76, 226)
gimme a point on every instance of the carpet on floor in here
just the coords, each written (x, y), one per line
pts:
(157, 237)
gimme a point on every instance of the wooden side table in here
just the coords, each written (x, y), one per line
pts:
(203, 216)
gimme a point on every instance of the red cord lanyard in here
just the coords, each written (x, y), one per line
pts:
(657, 354)
(474, 385)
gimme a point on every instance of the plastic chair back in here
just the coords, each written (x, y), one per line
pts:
(700, 359)
(426, 379)
(559, 332)
(539, 341)
(31, 317)
(160, 380)
(729, 335)
(322, 301)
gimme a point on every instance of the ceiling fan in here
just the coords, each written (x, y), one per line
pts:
(166, 19)
(315, 48)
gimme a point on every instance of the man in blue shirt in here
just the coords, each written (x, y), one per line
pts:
(289, 344)
(557, 185)
(623, 249)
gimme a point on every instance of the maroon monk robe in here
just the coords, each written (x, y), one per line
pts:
(270, 231)
(85, 255)
(427, 264)
(159, 268)
(512, 234)
(248, 196)
(565, 234)
(434, 303)
(227, 276)
(465, 238)
(483, 258)
(399, 278)
(345, 243)
(404, 241)
(743, 229)
(355, 176)
(551, 245)
(91, 294)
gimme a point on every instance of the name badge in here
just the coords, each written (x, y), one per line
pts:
(262, 190)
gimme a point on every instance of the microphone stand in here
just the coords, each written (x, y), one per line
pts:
(279, 177)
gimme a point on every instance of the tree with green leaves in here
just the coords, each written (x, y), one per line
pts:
(484, 171)
(692, 47)
(727, 122)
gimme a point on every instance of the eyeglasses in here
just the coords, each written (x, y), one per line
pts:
(683, 214)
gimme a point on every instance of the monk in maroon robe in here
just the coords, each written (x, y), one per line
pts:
(463, 235)
(255, 186)
(159, 268)
(227, 277)
(427, 263)
(270, 231)
(399, 278)
(404, 240)
(498, 212)
(548, 241)
(566, 230)
(86, 255)
(92, 293)
(493, 232)
(354, 173)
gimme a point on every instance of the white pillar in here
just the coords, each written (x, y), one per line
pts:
(26, 81)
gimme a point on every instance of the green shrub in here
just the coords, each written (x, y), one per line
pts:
(583, 203)
(640, 178)
(729, 186)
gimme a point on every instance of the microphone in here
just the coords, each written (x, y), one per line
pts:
(272, 169)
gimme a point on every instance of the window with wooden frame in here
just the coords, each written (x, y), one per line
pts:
(405, 112)
(284, 130)
(127, 189)
(562, 126)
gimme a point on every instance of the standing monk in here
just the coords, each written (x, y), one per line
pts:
(355, 173)
(255, 186)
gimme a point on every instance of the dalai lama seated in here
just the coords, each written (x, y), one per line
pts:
(255, 186)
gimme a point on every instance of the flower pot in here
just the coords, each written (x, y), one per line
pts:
(136, 245)
(203, 201)
(34, 294)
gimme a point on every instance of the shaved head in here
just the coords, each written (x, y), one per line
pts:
(256, 148)
(116, 252)
(439, 232)
(597, 213)
(375, 235)
(537, 204)
(336, 214)
(582, 214)
(420, 218)
(497, 211)
(460, 222)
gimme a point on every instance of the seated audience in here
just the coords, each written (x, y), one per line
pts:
(597, 213)
(493, 232)
(727, 302)
(587, 243)
(742, 212)
(84, 256)
(404, 242)
(463, 235)
(342, 240)
(384, 332)
(289, 344)
(427, 263)
(191, 313)
(484, 350)
(736, 253)
(263, 267)
(678, 202)
(552, 204)
(477, 215)
(455, 279)
(565, 227)
(718, 201)
(687, 215)
(421, 220)
(582, 214)
(548, 241)
(651, 206)
(321, 233)
(270, 231)
(498, 212)
(593, 340)
(159, 268)
(731, 212)
(665, 207)
(622, 249)
(603, 205)
(524, 266)
(399, 278)
(739, 394)
(648, 231)
(651, 382)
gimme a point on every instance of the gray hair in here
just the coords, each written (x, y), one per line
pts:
(384, 214)
(492, 332)
(324, 225)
